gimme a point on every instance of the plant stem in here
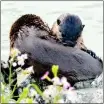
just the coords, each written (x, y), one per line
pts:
(49, 79)
(10, 73)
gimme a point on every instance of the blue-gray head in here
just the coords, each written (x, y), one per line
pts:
(71, 27)
(68, 27)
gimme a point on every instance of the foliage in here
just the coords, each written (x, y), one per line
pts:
(18, 59)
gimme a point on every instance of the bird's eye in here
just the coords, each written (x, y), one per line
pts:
(58, 22)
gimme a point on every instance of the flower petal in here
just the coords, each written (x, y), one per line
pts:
(30, 69)
(66, 86)
(63, 80)
(45, 75)
(56, 81)
(14, 64)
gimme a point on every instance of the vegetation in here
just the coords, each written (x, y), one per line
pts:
(31, 93)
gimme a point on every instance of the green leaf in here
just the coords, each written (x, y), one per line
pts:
(14, 88)
(37, 89)
(29, 100)
(2, 86)
(4, 99)
(55, 70)
(23, 94)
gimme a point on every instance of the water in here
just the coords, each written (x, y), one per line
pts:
(90, 12)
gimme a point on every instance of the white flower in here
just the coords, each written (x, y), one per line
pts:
(30, 69)
(51, 90)
(24, 56)
(63, 80)
(56, 81)
(21, 63)
(71, 88)
(20, 60)
(14, 64)
(66, 85)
